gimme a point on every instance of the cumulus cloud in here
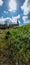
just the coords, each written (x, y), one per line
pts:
(25, 19)
(26, 7)
(2, 20)
(12, 20)
(12, 5)
(16, 17)
(1, 2)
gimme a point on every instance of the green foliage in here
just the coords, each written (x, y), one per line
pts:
(15, 46)
(7, 35)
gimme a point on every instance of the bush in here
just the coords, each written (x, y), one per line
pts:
(7, 35)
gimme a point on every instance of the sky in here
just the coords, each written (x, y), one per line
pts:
(13, 10)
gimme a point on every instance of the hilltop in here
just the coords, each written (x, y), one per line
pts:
(15, 45)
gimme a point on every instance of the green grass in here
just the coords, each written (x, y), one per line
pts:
(15, 42)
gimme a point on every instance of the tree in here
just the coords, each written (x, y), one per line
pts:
(17, 23)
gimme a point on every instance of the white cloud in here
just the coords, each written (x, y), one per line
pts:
(28, 21)
(12, 20)
(6, 12)
(17, 17)
(12, 5)
(25, 19)
(10, 10)
(1, 2)
(26, 7)
(2, 20)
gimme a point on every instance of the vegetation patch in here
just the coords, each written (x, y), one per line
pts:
(15, 46)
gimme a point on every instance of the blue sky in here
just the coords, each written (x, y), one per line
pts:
(13, 10)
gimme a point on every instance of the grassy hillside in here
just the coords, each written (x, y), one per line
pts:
(15, 46)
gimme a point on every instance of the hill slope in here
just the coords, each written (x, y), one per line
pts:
(15, 46)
